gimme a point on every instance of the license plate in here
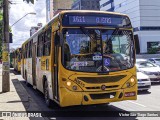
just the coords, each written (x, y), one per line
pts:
(129, 94)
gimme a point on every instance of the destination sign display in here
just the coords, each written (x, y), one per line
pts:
(108, 20)
(95, 19)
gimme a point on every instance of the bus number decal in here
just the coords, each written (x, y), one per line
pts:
(79, 82)
(78, 19)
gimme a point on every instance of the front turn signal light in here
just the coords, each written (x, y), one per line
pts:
(68, 83)
(72, 86)
(131, 82)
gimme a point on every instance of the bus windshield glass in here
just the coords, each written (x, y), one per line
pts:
(98, 50)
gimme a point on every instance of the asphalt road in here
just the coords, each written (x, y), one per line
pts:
(147, 101)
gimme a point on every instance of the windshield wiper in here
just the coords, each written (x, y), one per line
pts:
(86, 33)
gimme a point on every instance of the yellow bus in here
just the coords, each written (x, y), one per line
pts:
(82, 58)
(16, 59)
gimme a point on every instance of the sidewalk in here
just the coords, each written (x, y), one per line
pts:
(17, 99)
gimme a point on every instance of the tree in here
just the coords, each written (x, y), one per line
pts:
(0, 39)
(32, 1)
(1, 25)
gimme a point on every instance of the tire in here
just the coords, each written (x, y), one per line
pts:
(46, 94)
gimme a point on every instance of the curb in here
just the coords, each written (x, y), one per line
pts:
(23, 94)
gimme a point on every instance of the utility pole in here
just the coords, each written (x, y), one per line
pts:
(5, 49)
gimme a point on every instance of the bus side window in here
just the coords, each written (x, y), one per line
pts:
(26, 50)
(47, 42)
(30, 49)
(40, 45)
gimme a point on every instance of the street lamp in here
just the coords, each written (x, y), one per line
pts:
(23, 17)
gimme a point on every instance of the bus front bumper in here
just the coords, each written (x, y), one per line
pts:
(70, 98)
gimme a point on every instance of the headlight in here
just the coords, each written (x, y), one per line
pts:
(69, 84)
(131, 82)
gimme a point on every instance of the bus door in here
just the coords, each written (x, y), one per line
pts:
(55, 73)
(22, 64)
(34, 64)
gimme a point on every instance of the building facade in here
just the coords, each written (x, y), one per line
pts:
(35, 29)
(59, 5)
(49, 10)
(86, 5)
(55, 6)
(145, 20)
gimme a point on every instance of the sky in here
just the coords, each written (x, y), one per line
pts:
(21, 30)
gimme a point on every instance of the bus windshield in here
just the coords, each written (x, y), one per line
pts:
(98, 50)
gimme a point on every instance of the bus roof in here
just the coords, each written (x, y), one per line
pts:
(70, 11)
(90, 11)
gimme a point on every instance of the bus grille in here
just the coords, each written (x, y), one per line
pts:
(105, 79)
(93, 87)
(103, 95)
(113, 86)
